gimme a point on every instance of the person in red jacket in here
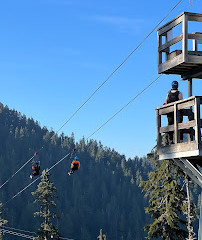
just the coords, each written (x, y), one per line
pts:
(74, 166)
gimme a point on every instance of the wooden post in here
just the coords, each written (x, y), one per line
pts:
(195, 44)
(158, 124)
(189, 87)
(197, 118)
(176, 121)
(159, 38)
(189, 95)
(185, 37)
(167, 50)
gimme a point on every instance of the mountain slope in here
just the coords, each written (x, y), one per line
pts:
(104, 193)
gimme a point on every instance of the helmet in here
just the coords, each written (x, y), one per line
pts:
(175, 84)
(76, 158)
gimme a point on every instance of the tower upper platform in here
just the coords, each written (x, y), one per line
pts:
(174, 53)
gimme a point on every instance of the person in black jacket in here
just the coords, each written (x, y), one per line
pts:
(174, 95)
(35, 169)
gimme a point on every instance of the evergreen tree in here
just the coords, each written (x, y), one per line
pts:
(44, 195)
(165, 203)
(105, 188)
(190, 210)
(102, 236)
(2, 221)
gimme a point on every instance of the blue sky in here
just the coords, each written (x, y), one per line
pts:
(55, 53)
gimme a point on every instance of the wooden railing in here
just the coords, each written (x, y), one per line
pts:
(187, 107)
(195, 36)
(182, 54)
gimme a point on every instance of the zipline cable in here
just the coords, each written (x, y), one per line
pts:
(116, 69)
(37, 178)
(18, 170)
(26, 231)
(17, 234)
(97, 88)
(123, 107)
(16, 173)
(87, 138)
(16, 229)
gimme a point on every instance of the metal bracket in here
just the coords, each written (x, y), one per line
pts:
(190, 169)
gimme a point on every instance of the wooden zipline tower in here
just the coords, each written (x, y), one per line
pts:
(174, 57)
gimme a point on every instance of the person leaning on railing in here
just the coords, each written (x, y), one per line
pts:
(174, 95)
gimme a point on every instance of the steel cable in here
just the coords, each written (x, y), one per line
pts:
(17, 234)
(26, 231)
(37, 178)
(87, 138)
(96, 89)
(123, 107)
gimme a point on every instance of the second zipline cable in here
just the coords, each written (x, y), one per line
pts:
(88, 137)
(116, 69)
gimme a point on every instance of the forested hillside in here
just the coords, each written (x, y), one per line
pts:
(103, 194)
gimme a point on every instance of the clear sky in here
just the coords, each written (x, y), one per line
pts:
(55, 53)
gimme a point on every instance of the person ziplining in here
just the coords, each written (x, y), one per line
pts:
(75, 165)
(35, 167)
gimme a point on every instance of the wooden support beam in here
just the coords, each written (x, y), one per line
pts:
(195, 17)
(194, 59)
(181, 126)
(195, 45)
(197, 118)
(166, 110)
(195, 73)
(185, 38)
(158, 124)
(200, 219)
(176, 121)
(187, 125)
(189, 87)
(179, 148)
(167, 50)
(186, 104)
(196, 36)
(169, 128)
(159, 44)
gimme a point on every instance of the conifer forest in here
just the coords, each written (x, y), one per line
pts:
(101, 120)
(109, 197)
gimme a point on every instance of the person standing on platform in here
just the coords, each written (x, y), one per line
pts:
(174, 95)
